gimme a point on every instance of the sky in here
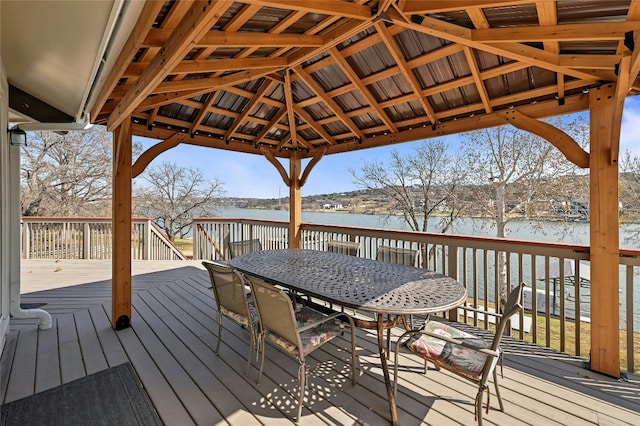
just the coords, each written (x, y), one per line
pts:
(252, 176)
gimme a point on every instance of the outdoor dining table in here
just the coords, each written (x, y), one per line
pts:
(389, 291)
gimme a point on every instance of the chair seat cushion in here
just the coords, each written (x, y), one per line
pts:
(312, 337)
(241, 319)
(459, 359)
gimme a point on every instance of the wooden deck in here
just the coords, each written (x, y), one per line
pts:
(171, 347)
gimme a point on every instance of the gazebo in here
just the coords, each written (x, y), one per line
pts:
(295, 81)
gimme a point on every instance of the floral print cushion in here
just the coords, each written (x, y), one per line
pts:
(459, 359)
(241, 319)
(311, 338)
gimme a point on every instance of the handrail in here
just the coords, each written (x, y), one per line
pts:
(91, 238)
(557, 297)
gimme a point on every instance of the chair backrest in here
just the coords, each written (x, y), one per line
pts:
(228, 288)
(512, 307)
(402, 256)
(352, 248)
(275, 310)
(236, 248)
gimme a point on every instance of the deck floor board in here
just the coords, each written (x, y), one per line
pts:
(171, 346)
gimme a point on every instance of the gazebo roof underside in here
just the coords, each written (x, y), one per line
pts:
(327, 76)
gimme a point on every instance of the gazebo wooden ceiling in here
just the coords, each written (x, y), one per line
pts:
(283, 76)
(303, 79)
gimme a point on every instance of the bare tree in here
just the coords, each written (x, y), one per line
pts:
(67, 174)
(515, 171)
(422, 184)
(174, 195)
(630, 192)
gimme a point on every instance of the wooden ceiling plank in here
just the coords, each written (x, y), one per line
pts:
(479, 83)
(355, 80)
(192, 27)
(324, 7)
(330, 103)
(145, 21)
(397, 55)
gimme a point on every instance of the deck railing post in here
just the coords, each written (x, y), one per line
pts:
(452, 271)
(86, 240)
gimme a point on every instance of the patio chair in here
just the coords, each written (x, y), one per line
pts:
(400, 255)
(296, 333)
(236, 248)
(466, 355)
(352, 248)
(230, 292)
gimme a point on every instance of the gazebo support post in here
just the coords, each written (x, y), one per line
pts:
(121, 224)
(604, 223)
(295, 200)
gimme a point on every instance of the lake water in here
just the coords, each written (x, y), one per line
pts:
(571, 232)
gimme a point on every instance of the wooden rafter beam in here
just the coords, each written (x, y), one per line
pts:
(397, 55)
(249, 108)
(204, 110)
(268, 127)
(330, 103)
(307, 170)
(516, 51)
(291, 115)
(565, 143)
(146, 157)
(212, 83)
(279, 167)
(475, 72)
(621, 92)
(438, 6)
(194, 25)
(158, 37)
(539, 110)
(355, 80)
(214, 65)
(325, 7)
(314, 125)
(564, 32)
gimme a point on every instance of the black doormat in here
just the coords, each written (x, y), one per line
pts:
(31, 305)
(110, 397)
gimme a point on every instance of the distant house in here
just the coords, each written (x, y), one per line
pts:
(329, 206)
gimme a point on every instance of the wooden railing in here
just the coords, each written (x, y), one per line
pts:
(557, 300)
(90, 238)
